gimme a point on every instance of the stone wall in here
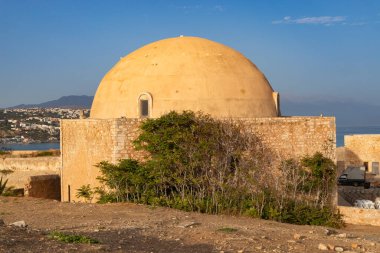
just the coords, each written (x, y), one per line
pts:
(294, 137)
(44, 186)
(23, 168)
(362, 148)
(86, 142)
(359, 216)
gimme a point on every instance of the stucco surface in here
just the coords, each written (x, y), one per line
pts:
(185, 73)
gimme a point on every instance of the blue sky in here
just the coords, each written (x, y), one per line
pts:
(309, 50)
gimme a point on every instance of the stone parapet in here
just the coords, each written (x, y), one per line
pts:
(23, 168)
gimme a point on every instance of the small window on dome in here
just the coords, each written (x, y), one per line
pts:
(144, 105)
(144, 108)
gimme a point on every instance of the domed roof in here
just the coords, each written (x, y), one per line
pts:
(185, 73)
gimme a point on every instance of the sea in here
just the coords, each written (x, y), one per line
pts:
(340, 133)
(30, 146)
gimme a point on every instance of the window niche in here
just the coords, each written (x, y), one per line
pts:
(375, 168)
(144, 105)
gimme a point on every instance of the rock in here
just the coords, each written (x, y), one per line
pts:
(298, 237)
(343, 235)
(354, 245)
(187, 224)
(330, 246)
(20, 224)
(240, 251)
(322, 246)
(264, 237)
(2, 223)
(339, 249)
(330, 232)
(372, 244)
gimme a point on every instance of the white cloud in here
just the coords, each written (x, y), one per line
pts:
(321, 20)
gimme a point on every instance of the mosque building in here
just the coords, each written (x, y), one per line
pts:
(183, 73)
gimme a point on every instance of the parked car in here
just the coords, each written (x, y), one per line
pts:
(353, 176)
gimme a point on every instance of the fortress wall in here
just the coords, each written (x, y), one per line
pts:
(86, 142)
(294, 137)
(25, 167)
(362, 148)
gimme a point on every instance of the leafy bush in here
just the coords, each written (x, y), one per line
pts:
(3, 186)
(127, 180)
(4, 190)
(68, 238)
(85, 192)
(201, 164)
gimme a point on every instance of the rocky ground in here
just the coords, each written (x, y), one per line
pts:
(137, 228)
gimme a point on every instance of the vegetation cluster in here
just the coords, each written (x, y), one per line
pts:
(4, 189)
(197, 163)
(70, 238)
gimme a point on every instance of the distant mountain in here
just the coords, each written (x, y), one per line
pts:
(78, 102)
(347, 113)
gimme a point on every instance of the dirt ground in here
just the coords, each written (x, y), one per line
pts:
(138, 228)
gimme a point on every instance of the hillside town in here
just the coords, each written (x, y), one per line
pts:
(34, 125)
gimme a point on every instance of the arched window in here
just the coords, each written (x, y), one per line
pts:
(144, 105)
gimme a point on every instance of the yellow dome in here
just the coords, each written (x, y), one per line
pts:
(185, 73)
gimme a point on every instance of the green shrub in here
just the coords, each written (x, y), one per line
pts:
(68, 238)
(304, 214)
(201, 164)
(3, 186)
(85, 192)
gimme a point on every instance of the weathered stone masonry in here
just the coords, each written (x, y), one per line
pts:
(86, 142)
(294, 137)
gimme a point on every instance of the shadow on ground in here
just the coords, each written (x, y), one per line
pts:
(125, 240)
